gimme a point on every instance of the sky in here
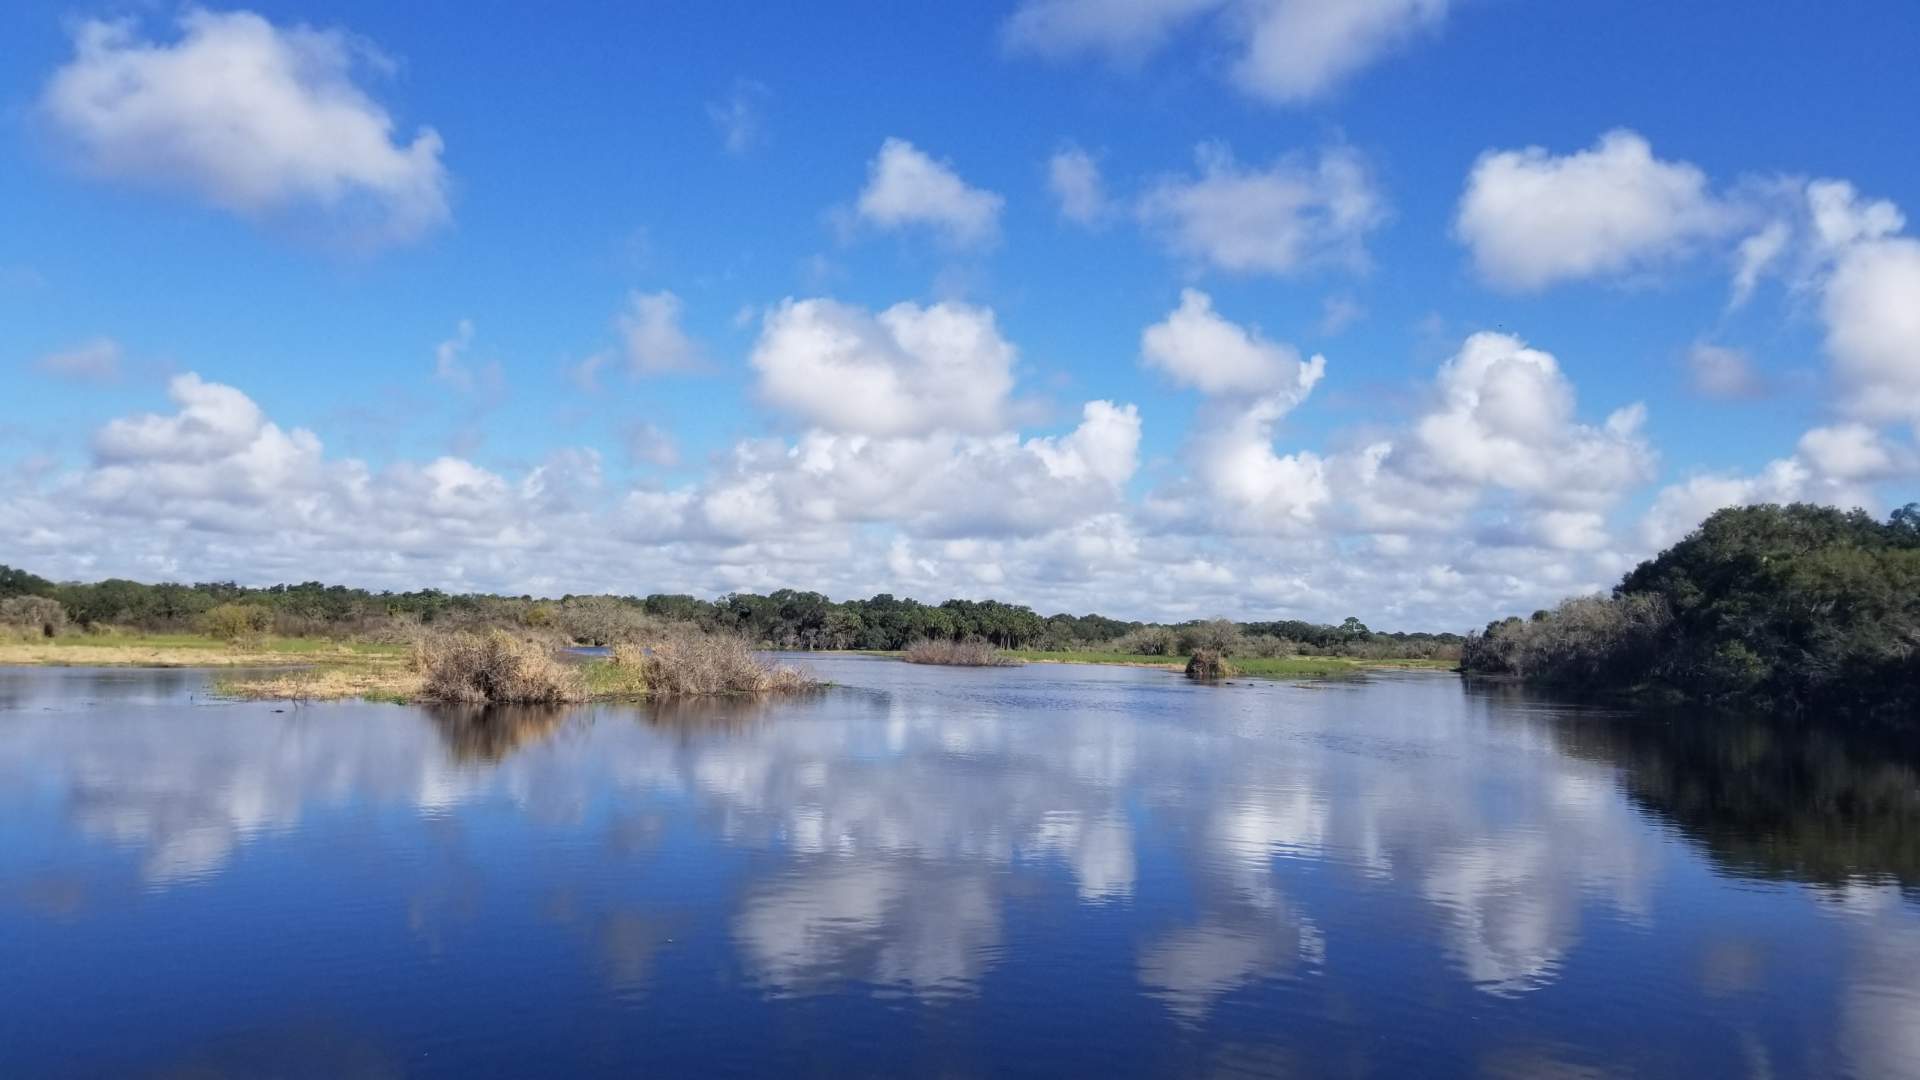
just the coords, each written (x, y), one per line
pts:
(1422, 311)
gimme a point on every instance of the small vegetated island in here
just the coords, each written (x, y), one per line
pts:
(476, 648)
(1787, 608)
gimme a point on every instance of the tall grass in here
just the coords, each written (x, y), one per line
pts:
(973, 652)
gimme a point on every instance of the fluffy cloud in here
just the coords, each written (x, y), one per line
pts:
(907, 188)
(1871, 303)
(1277, 220)
(907, 371)
(1200, 349)
(1505, 419)
(1253, 384)
(1531, 219)
(1497, 453)
(262, 121)
(1832, 466)
(1291, 50)
(1074, 178)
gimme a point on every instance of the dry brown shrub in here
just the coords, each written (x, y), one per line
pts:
(33, 616)
(973, 652)
(700, 664)
(1208, 664)
(497, 668)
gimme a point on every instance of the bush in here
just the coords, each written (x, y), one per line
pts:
(604, 621)
(1146, 641)
(972, 652)
(1214, 635)
(717, 663)
(33, 615)
(1206, 664)
(1268, 647)
(1588, 641)
(231, 622)
(495, 669)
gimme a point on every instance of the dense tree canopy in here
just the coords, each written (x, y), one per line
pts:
(1792, 606)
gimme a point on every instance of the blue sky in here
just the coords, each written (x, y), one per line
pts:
(597, 299)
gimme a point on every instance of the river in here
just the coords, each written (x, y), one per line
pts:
(1038, 871)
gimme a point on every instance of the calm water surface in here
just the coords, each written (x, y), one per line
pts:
(1040, 871)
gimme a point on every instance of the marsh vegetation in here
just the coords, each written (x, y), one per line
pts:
(971, 652)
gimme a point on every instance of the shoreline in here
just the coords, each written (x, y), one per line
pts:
(318, 669)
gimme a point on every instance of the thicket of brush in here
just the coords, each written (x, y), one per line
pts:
(529, 669)
(971, 652)
(1791, 607)
(693, 664)
(32, 617)
(495, 668)
(1208, 664)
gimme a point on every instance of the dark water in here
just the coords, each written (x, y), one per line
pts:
(1046, 871)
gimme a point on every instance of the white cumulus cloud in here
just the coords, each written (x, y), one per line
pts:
(1871, 304)
(263, 121)
(1531, 219)
(1199, 348)
(907, 371)
(1287, 217)
(905, 187)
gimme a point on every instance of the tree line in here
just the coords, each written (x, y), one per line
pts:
(785, 619)
(1796, 608)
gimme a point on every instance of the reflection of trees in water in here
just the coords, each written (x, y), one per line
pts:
(1805, 799)
(491, 733)
(728, 713)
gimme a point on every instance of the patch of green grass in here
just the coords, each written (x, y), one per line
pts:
(606, 679)
(1096, 658)
(291, 646)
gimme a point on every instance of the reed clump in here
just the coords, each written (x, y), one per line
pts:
(705, 664)
(497, 668)
(971, 652)
(1207, 664)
